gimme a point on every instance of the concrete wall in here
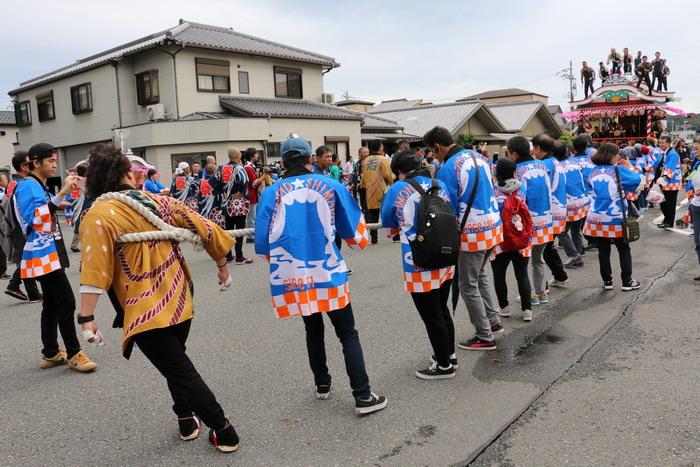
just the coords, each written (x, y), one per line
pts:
(7, 149)
(534, 127)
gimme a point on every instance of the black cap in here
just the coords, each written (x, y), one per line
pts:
(41, 151)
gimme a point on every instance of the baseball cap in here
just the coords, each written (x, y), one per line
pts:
(298, 145)
(41, 151)
(645, 149)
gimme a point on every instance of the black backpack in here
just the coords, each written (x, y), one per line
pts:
(12, 239)
(437, 237)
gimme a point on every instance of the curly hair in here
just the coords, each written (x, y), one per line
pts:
(107, 167)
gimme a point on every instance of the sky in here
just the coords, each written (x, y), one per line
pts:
(435, 51)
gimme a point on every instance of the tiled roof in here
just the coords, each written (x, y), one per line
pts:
(294, 108)
(376, 122)
(510, 92)
(515, 115)
(353, 101)
(418, 120)
(187, 34)
(7, 118)
(205, 116)
(396, 104)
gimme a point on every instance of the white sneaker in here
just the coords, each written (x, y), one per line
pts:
(505, 312)
(555, 283)
(527, 315)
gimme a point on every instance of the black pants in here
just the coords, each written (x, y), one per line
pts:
(499, 266)
(587, 84)
(233, 223)
(660, 82)
(29, 284)
(372, 217)
(57, 314)
(668, 207)
(433, 310)
(615, 68)
(165, 349)
(551, 257)
(3, 262)
(645, 78)
(623, 250)
(344, 323)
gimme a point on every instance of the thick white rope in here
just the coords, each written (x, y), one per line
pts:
(167, 231)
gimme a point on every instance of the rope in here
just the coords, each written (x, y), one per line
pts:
(167, 231)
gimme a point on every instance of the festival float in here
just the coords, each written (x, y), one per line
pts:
(621, 111)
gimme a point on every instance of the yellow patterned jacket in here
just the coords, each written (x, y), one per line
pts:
(150, 280)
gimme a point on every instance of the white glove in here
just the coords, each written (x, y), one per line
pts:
(225, 285)
(94, 338)
(663, 181)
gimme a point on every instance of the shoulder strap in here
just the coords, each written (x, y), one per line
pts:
(415, 185)
(619, 190)
(472, 196)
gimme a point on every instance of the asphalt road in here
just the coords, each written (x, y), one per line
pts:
(596, 378)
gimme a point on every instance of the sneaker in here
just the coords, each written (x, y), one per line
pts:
(477, 344)
(18, 294)
(349, 272)
(38, 299)
(608, 285)
(543, 298)
(535, 300)
(435, 372)
(498, 328)
(80, 362)
(59, 359)
(5, 276)
(505, 312)
(555, 283)
(575, 262)
(323, 390)
(373, 404)
(244, 261)
(75, 250)
(527, 315)
(189, 427)
(249, 240)
(453, 361)
(226, 439)
(633, 285)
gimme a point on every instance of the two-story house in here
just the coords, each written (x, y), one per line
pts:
(8, 138)
(183, 94)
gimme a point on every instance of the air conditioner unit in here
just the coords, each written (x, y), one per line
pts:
(156, 112)
(328, 98)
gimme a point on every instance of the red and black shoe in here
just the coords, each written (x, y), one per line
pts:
(189, 427)
(477, 344)
(225, 439)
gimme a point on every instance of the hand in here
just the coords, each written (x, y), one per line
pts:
(70, 184)
(625, 163)
(92, 334)
(225, 279)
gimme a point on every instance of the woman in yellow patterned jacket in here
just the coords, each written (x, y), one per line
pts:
(150, 286)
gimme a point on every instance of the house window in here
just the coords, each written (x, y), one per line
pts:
(23, 114)
(288, 82)
(44, 105)
(243, 85)
(274, 150)
(81, 98)
(213, 75)
(147, 91)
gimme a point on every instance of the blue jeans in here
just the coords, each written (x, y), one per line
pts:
(344, 323)
(695, 216)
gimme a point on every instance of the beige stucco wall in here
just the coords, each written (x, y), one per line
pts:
(7, 149)
(536, 126)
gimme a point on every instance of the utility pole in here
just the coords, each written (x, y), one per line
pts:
(568, 74)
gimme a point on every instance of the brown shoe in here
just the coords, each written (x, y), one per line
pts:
(80, 362)
(61, 358)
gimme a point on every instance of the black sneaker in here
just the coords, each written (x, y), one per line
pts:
(226, 439)
(498, 328)
(477, 344)
(633, 285)
(435, 372)
(373, 404)
(189, 427)
(453, 362)
(324, 390)
(18, 294)
(607, 285)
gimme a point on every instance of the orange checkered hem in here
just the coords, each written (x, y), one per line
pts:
(542, 236)
(632, 196)
(361, 239)
(559, 225)
(480, 241)
(42, 219)
(576, 214)
(425, 281)
(672, 187)
(37, 267)
(308, 302)
(391, 232)
(602, 230)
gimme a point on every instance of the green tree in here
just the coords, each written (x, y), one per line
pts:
(465, 138)
(566, 138)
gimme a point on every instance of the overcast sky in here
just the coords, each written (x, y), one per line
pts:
(437, 51)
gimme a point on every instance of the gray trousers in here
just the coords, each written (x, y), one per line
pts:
(75, 243)
(573, 245)
(539, 271)
(476, 292)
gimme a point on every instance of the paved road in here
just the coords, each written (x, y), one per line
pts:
(595, 376)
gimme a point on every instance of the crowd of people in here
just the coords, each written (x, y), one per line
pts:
(639, 68)
(498, 211)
